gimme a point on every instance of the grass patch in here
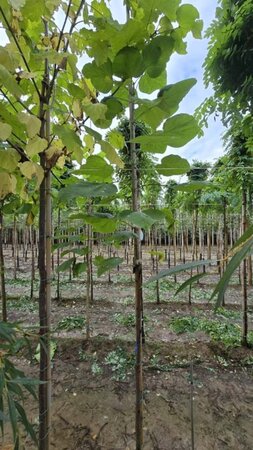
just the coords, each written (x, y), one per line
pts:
(71, 323)
(219, 330)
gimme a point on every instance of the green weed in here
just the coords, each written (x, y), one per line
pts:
(24, 303)
(227, 333)
(121, 363)
(71, 323)
(127, 320)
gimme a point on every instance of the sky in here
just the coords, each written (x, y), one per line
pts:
(208, 147)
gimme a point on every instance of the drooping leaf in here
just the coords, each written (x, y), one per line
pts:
(173, 165)
(9, 159)
(96, 169)
(116, 139)
(32, 123)
(104, 265)
(180, 268)
(65, 265)
(35, 146)
(180, 129)
(101, 76)
(111, 154)
(101, 224)
(87, 190)
(8, 184)
(170, 96)
(128, 63)
(30, 169)
(79, 268)
(5, 131)
(245, 246)
(149, 85)
(68, 136)
(141, 220)
(9, 82)
(190, 281)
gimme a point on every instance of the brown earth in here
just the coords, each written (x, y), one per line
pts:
(94, 400)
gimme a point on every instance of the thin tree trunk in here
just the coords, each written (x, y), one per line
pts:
(137, 268)
(2, 271)
(45, 275)
(244, 275)
(32, 263)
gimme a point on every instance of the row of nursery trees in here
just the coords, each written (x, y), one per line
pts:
(67, 71)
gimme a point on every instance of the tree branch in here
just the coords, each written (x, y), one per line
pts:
(19, 49)
(57, 68)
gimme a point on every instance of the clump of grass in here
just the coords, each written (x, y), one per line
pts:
(121, 363)
(24, 303)
(71, 323)
(219, 330)
(127, 320)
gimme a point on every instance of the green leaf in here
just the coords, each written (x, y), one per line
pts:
(170, 96)
(114, 107)
(244, 247)
(8, 183)
(101, 223)
(186, 16)
(139, 219)
(35, 146)
(149, 85)
(9, 159)
(97, 113)
(104, 265)
(156, 55)
(27, 425)
(68, 136)
(128, 63)
(173, 165)
(121, 236)
(30, 169)
(116, 139)
(13, 416)
(101, 76)
(156, 214)
(180, 268)
(97, 136)
(180, 129)
(5, 131)
(32, 123)
(96, 169)
(189, 282)
(87, 190)
(9, 82)
(111, 154)
(79, 268)
(65, 265)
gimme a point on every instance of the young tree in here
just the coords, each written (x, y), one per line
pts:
(46, 101)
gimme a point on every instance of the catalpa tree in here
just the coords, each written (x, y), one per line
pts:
(49, 96)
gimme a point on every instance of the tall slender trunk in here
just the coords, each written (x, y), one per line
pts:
(137, 268)
(58, 293)
(45, 274)
(14, 243)
(244, 274)
(32, 263)
(2, 272)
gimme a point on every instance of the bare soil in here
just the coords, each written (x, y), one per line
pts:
(94, 401)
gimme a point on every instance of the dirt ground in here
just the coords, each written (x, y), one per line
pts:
(93, 396)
